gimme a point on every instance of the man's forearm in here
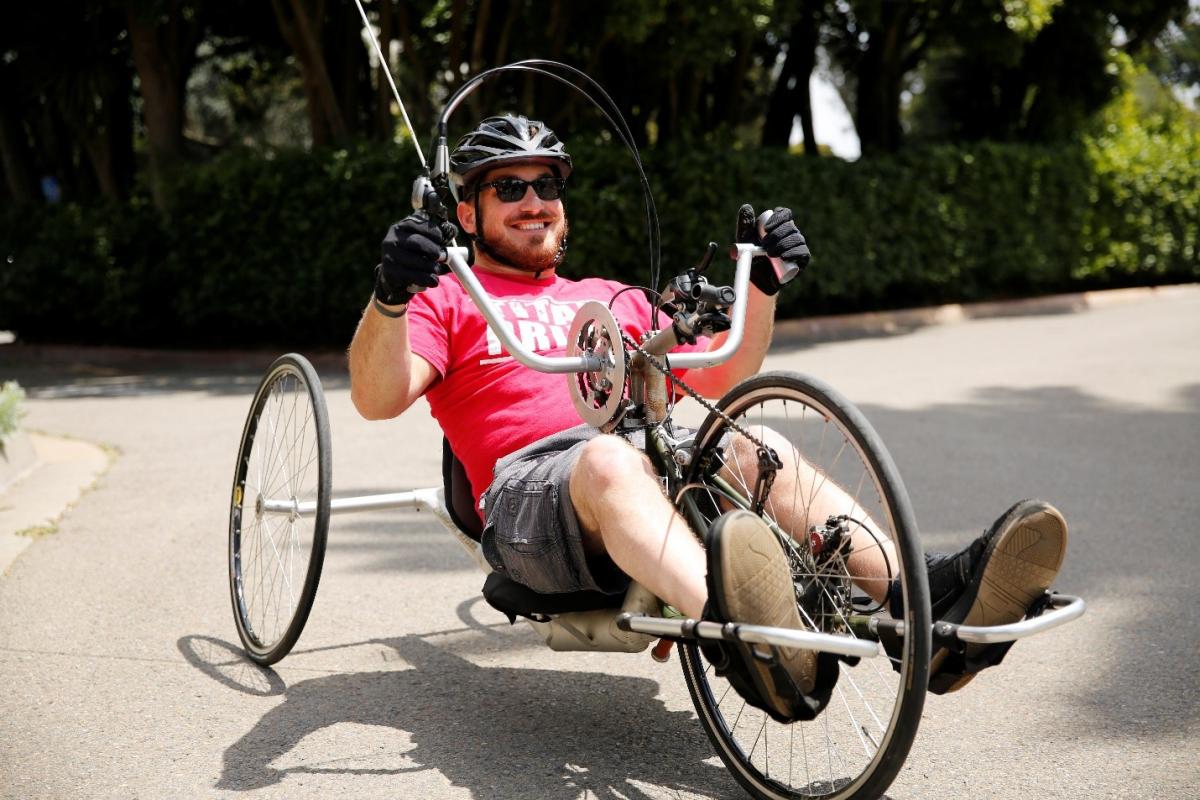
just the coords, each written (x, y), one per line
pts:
(381, 365)
(756, 338)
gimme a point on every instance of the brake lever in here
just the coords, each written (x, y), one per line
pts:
(706, 260)
(428, 200)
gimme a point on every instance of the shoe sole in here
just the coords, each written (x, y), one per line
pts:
(1019, 565)
(757, 588)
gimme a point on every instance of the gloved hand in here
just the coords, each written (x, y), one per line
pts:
(783, 240)
(410, 252)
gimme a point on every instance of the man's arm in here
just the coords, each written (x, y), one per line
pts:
(385, 376)
(747, 361)
(781, 239)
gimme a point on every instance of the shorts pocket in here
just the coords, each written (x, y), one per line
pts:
(528, 537)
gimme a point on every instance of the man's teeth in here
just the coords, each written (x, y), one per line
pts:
(531, 226)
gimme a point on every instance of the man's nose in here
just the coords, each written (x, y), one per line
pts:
(529, 199)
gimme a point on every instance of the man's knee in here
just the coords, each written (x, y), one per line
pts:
(609, 462)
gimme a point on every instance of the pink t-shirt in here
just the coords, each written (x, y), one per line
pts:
(487, 403)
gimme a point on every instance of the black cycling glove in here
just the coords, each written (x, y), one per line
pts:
(410, 254)
(783, 240)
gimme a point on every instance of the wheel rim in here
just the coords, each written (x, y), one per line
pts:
(852, 744)
(273, 554)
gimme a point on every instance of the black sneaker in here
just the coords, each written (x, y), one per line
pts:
(995, 580)
(749, 581)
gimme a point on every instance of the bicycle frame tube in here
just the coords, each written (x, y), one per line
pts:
(665, 340)
(662, 342)
(456, 257)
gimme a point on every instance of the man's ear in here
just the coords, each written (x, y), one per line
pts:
(466, 217)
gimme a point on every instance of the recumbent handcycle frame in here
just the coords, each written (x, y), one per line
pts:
(282, 501)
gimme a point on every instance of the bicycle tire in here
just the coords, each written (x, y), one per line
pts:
(740, 732)
(285, 435)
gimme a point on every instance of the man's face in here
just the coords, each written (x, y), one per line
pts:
(529, 232)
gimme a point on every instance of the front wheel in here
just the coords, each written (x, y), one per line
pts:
(279, 514)
(839, 507)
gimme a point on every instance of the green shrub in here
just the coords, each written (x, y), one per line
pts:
(278, 249)
(11, 398)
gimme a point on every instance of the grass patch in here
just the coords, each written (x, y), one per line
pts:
(37, 531)
(12, 396)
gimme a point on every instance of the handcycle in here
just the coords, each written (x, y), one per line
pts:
(778, 444)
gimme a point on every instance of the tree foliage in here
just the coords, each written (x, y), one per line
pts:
(169, 148)
(82, 88)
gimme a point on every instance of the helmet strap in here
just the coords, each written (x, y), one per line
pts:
(481, 243)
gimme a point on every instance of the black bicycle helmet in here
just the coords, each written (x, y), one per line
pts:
(501, 139)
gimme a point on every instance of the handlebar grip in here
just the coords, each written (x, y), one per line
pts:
(784, 270)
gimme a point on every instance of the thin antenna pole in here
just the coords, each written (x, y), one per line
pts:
(383, 63)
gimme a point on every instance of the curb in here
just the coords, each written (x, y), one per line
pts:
(17, 459)
(883, 323)
(61, 471)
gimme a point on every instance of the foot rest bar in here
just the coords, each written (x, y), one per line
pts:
(420, 499)
(749, 634)
(1064, 609)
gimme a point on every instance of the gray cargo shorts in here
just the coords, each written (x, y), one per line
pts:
(531, 533)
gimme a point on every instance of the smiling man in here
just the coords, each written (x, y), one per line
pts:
(591, 501)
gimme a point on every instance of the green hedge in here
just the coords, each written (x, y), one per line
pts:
(278, 250)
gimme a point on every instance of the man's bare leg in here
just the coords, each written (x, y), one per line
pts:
(800, 498)
(622, 511)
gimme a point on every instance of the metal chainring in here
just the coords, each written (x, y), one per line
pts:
(598, 396)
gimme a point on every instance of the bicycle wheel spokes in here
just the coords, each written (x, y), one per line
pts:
(281, 509)
(834, 468)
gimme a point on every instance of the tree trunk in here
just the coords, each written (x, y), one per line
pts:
(791, 95)
(475, 64)
(482, 17)
(781, 106)
(163, 54)
(806, 36)
(300, 23)
(734, 104)
(14, 152)
(351, 69)
(455, 47)
(880, 78)
(510, 19)
(105, 129)
(418, 112)
(383, 92)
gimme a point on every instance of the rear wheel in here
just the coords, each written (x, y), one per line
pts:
(279, 514)
(834, 465)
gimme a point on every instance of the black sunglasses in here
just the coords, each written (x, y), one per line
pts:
(511, 190)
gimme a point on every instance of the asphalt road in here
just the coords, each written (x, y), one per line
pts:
(122, 675)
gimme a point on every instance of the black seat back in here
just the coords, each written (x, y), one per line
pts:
(460, 502)
(503, 593)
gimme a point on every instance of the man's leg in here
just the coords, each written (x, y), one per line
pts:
(622, 511)
(800, 497)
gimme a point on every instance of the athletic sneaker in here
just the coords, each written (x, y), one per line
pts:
(993, 581)
(749, 581)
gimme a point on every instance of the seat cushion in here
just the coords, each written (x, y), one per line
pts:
(515, 600)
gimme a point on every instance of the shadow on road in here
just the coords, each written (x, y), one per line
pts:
(53, 372)
(1124, 477)
(500, 732)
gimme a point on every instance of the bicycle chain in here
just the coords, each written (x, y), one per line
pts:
(766, 477)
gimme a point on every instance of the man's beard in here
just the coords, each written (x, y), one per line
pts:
(529, 258)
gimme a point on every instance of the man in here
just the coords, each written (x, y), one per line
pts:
(566, 509)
